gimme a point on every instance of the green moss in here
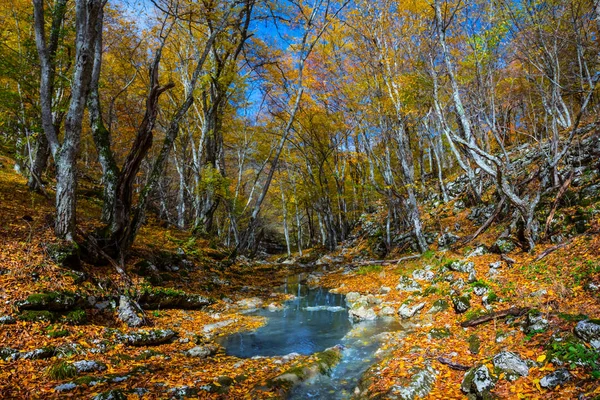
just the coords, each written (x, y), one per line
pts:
(86, 380)
(66, 255)
(474, 344)
(329, 357)
(61, 370)
(53, 332)
(53, 301)
(439, 333)
(35, 316)
(76, 317)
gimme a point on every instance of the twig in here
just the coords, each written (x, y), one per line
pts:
(514, 311)
(453, 365)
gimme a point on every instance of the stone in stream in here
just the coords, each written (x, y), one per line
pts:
(405, 311)
(511, 364)
(251, 303)
(589, 330)
(478, 382)
(361, 314)
(556, 378)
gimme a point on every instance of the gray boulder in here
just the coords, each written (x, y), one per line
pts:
(447, 239)
(405, 311)
(536, 323)
(511, 364)
(503, 246)
(7, 320)
(201, 351)
(89, 366)
(461, 266)
(461, 303)
(362, 314)
(556, 378)
(147, 338)
(408, 285)
(423, 275)
(478, 382)
(128, 314)
(589, 330)
(419, 385)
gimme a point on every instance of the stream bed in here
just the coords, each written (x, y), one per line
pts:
(312, 322)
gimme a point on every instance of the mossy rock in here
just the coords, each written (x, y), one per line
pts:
(439, 333)
(439, 305)
(474, 344)
(76, 317)
(461, 303)
(503, 246)
(37, 316)
(53, 332)
(62, 370)
(67, 255)
(51, 301)
(114, 394)
(167, 298)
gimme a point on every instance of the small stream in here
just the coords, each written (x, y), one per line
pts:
(314, 321)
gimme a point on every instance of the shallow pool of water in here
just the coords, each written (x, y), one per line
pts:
(312, 322)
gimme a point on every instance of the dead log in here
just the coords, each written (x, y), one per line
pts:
(453, 365)
(514, 312)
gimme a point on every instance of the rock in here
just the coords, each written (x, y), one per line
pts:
(217, 325)
(114, 394)
(182, 392)
(352, 297)
(480, 290)
(159, 299)
(536, 323)
(67, 255)
(461, 266)
(387, 310)
(539, 293)
(420, 384)
(511, 364)
(472, 276)
(385, 290)
(478, 382)
(503, 246)
(65, 387)
(447, 239)
(589, 330)
(89, 366)
(461, 303)
(496, 265)
(38, 354)
(7, 320)
(439, 333)
(251, 303)
(273, 307)
(362, 313)
(406, 311)
(49, 301)
(408, 285)
(438, 306)
(201, 351)
(147, 338)
(128, 314)
(474, 344)
(423, 275)
(478, 251)
(556, 378)
(8, 354)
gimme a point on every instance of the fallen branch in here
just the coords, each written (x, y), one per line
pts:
(507, 259)
(514, 311)
(551, 250)
(385, 262)
(483, 227)
(453, 365)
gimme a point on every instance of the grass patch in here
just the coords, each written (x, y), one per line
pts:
(62, 370)
(369, 269)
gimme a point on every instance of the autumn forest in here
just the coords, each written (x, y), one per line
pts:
(293, 199)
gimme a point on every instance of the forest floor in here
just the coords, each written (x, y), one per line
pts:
(41, 352)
